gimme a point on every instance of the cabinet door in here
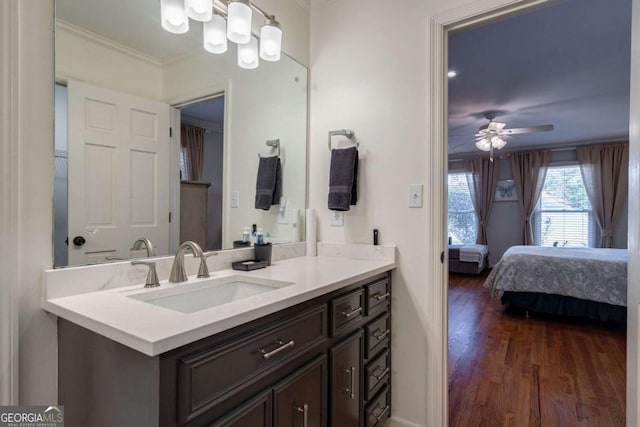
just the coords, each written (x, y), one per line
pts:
(345, 382)
(255, 413)
(299, 400)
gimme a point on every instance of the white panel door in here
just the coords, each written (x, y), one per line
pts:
(119, 166)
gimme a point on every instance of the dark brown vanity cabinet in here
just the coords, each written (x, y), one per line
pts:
(322, 363)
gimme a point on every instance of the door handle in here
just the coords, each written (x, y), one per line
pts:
(79, 241)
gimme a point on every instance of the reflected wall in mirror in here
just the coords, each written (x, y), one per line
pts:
(127, 93)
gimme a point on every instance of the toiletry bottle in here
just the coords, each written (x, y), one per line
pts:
(259, 237)
(267, 237)
(246, 235)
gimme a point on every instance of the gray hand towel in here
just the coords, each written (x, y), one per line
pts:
(268, 183)
(343, 179)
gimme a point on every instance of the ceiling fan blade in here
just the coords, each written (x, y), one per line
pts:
(515, 131)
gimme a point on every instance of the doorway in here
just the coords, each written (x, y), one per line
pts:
(561, 154)
(202, 171)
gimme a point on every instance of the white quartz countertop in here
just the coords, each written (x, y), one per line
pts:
(153, 330)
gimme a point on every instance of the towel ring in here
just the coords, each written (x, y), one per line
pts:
(343, 132)
(273, 143)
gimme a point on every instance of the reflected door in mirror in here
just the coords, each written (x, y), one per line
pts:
(119, 152)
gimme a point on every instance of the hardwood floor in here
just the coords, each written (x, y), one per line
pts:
(509, 370)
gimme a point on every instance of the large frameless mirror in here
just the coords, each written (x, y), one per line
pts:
(159, 141)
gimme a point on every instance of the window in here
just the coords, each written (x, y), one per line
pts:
(564, 213)
(462, 217)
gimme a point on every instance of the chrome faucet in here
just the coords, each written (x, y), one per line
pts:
(144, 242)
(178, 273)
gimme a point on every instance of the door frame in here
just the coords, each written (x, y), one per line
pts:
(439, 27)
(203, 94)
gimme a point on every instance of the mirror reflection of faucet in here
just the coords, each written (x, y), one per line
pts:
(144, 243)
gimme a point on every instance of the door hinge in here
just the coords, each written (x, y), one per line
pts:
(170, 132)
(169, 216)
(442, 257)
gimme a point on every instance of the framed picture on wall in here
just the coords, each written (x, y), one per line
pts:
(506, 191)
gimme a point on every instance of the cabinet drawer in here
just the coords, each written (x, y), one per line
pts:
(377, 373)
(377, 333)
(346, 309)
(379, 410)
(208, 377)
(378, 295)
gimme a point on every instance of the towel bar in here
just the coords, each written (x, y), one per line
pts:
(342, 132)
(273, 143)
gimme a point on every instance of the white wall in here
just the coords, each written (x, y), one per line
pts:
(369, 74)
(26, 191)
(83, 56)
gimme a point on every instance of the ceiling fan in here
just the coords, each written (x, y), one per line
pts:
(493, 135)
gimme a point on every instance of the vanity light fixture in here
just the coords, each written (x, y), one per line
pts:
(270, 40)
(248, 55)
(199, 10)
(224, 20)
(239, 21)
(174, 16)
(215, 34)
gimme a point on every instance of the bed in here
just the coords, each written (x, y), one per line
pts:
(579, 282)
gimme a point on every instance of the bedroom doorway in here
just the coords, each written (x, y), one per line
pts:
(470, 310)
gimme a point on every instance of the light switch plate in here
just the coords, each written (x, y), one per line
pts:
(235, 199)
(337, 219)
(415, 195)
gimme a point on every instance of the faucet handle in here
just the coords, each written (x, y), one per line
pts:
(152, 276)
(203, 270)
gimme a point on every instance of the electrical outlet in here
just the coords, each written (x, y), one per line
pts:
(415, 195)
(337, 219)
(235, 199)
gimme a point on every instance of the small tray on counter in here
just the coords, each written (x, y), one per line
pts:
(248, 265)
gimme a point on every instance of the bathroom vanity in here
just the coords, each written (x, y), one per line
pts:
(320, 357)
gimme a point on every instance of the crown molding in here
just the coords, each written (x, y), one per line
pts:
(105, 42)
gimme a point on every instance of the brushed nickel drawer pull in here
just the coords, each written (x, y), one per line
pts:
(305, 414)
(352, 382)
(380, 296)
(381, 414)
(381, 335)
(382, 374)
(283, 346)
(351, 313)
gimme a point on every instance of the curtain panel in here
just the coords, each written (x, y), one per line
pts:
(192, 141)
(605, 172)
(529, 170)
(482, 178)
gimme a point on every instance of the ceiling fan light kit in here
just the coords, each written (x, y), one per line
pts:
(492, 135)
(224, 20)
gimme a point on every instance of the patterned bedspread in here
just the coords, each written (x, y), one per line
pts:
(587, 273)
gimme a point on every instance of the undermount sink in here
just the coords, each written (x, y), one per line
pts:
(192, 297)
